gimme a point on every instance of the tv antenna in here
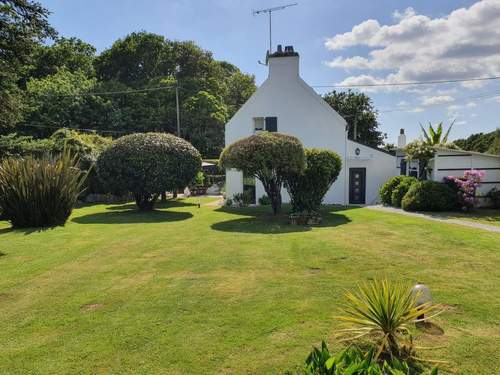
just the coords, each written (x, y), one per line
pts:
(270, 12)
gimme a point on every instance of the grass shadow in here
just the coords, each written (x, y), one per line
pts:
(166, 204)
(261, 220)
(132, 217)
(27, 231)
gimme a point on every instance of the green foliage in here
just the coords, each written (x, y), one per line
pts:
(352, 360)
(270, 157)
(264, 200)
(494, 148)
(147, 164)
(494, 195)
(38, 192)
(69, 53)
(479, 142)
(308, 188)
(421, 151)
(242, 199)
(388, 187)
(435, 137)
(355, 106)
(13, 144)
(51, 102)
(383, 312)
(429, 196)
(23, 24)
(400, 190)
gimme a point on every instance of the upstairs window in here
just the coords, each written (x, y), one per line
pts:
(269, 124)
(258, 123)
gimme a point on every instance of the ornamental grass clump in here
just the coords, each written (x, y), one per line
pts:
(40, 192)
(384, 311)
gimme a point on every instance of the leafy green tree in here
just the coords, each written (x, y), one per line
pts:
(204, 127)
(434, 137)
(270, 157)
(495, 145)
(479, 142)
(60, 100)
(70, 53)
(357, 108)
(23, 24)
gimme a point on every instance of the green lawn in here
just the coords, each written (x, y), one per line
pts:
(188, 290)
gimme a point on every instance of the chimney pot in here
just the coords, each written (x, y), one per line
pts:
(401, 139)
(280, 48)
(401, 131)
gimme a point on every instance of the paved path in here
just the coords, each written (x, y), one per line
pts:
(436, 217)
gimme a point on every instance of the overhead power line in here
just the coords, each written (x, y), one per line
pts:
(410, 83)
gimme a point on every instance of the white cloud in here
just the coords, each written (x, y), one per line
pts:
(460, 45)
(471, 105)
(461, 122)
(436, 100)
(403, 103)
(416, 110)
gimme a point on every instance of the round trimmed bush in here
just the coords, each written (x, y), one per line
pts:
(147, 164)
(400, 191)
(270, 157)
(387, 189)
(308, 188)
(429, 196)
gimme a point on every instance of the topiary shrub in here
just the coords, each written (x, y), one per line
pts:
(429, 196)
(308, 188)
(146, 164)
(270, 157)
(400, 190)
(386, 190)
(39, 192)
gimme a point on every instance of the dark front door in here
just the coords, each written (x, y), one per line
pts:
(357, 185)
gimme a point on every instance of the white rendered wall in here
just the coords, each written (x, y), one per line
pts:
(379, 165)
(453, 163)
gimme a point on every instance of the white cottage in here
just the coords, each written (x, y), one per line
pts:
(285, 103)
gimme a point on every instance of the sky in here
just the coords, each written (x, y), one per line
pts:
(339, 41)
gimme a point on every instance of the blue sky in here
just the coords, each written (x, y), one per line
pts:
(341, 41)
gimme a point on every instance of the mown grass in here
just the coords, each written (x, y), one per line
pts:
(188, 290)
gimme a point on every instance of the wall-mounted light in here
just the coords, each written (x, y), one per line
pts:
(357, 151)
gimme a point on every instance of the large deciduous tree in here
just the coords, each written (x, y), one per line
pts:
(270, 157)
(23, 24)
(357, 108)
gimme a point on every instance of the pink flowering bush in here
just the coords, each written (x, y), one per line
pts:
(466, 187)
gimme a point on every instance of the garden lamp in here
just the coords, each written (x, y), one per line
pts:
(422, 294)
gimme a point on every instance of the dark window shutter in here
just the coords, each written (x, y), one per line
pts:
(272, 124)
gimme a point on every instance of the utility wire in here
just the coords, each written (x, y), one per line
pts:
(169, 87)
(410, 83)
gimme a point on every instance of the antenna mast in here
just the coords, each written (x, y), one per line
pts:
(270, 11)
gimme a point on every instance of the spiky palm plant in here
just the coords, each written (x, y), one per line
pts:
(37, 192)
(384, 311)
(434, 137)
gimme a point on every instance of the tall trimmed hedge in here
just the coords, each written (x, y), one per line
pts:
(147, 164)
(429, 196)
(308, 188)
(270, 157)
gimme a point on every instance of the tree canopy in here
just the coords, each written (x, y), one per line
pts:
(481, 142)
(357, 107)
(128, 88)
